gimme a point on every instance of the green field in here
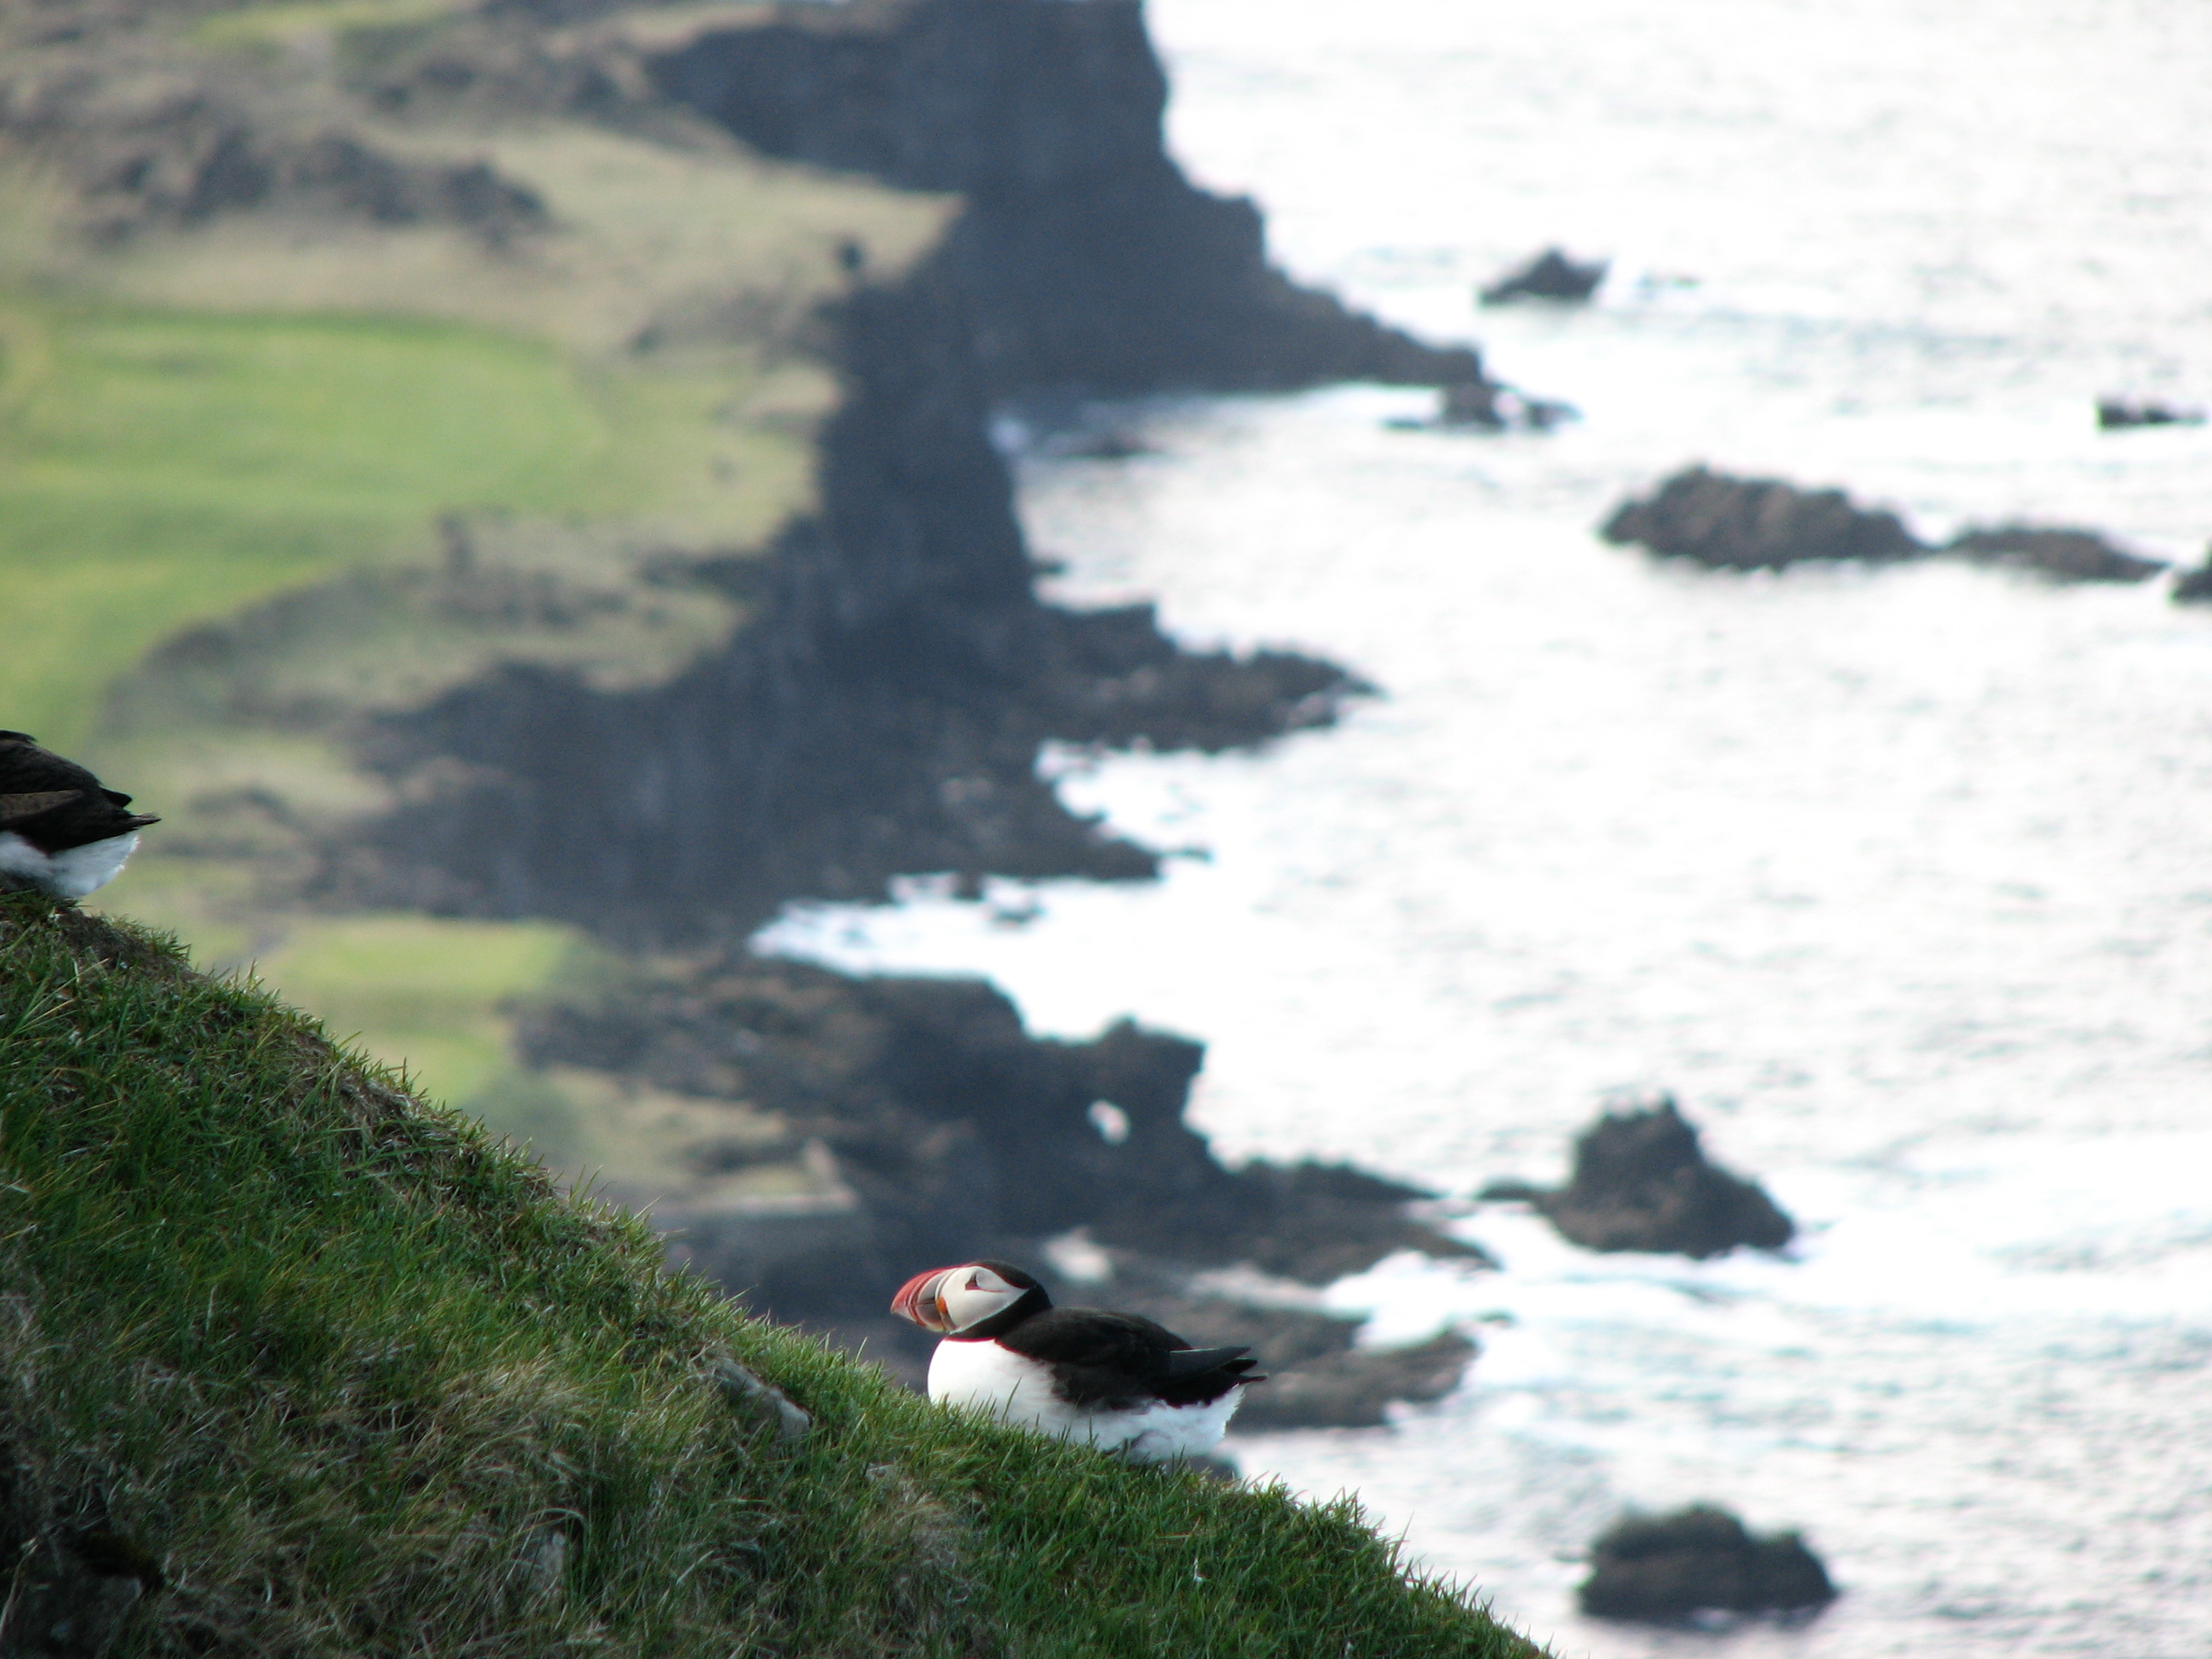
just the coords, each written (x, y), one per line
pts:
(160, 468)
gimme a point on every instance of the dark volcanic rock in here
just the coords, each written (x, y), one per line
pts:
(1662, 1569)
(2074, 556)
(2195, 586)
(960, 1134)
(1550, 276)
(1349, 1390)
(1756, 524)
(1084, 255)
(883, 715)
(1642, 1183)
(2114, 414)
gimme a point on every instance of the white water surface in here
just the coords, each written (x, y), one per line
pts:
(1901, 879)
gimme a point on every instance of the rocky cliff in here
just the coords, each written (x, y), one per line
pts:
(884, 713)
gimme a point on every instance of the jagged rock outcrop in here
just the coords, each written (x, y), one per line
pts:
(2116, 413)
(1764, 524)
(1550, 276)
(882, 716)
(1663, 1569)
(1083, 256)
(1756, 524)
(960, 1134)
(1642, 1182)
(2071, 555)
(2195, 586)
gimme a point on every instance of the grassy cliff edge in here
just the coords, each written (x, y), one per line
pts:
(331, 1371)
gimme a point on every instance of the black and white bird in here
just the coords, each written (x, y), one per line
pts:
(1109, 1380)
(59, 830)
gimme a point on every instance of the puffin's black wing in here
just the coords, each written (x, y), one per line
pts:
(54, 804)
(1120, 1361)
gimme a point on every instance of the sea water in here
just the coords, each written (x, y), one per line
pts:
(1900, 879)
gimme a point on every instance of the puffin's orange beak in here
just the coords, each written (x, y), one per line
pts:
(918, 1300)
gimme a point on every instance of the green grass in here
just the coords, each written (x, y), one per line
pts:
(161, 468)
(345, 1369)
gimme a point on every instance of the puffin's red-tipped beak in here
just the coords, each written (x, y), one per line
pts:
(918, 1300)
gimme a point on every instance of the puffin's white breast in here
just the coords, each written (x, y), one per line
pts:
(72, 872)
(985, 1378)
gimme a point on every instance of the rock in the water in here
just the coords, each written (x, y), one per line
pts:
(1642, 1183)
(2195, 586)
(2073, 556)
(1349, 1389)
(2115, 413)
(1662, 1569)
(1550, 276)
(1757, 524)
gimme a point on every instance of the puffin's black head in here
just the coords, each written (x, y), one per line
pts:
(975, 1299)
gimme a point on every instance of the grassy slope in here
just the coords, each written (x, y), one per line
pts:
(347, 1369)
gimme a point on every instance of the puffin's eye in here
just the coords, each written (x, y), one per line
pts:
(975, 1281)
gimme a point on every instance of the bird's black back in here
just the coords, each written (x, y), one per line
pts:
(54, 804)
(1121, 1361)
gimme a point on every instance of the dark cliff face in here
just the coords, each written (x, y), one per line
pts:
(1084, 256)
(883, 714)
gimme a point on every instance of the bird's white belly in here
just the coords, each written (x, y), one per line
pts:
(72, 872)
(984, 1377)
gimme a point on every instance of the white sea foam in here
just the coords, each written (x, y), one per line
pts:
(1897, 877)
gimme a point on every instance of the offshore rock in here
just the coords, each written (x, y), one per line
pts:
(1642, 1182)
(1756, 524)
(2195, 586)
(2115, 414)
(1352, 1389)
(2071, 555)
(1550, 276)
(1664, 1569)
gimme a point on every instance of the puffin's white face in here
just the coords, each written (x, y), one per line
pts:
(955, 1299)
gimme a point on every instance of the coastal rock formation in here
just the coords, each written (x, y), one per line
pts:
(2072, 556)
(881, 716)
(2115, 414)
(1756, 524)
(2195, 586)
(882, 712)
(959, 1134)
(1550, 276)
(1764, 524)
(1642, 1182)
(1663, 1569)
(1083, 256)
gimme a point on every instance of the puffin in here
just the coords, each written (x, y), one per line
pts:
(1109, 1380)
(59, 830)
